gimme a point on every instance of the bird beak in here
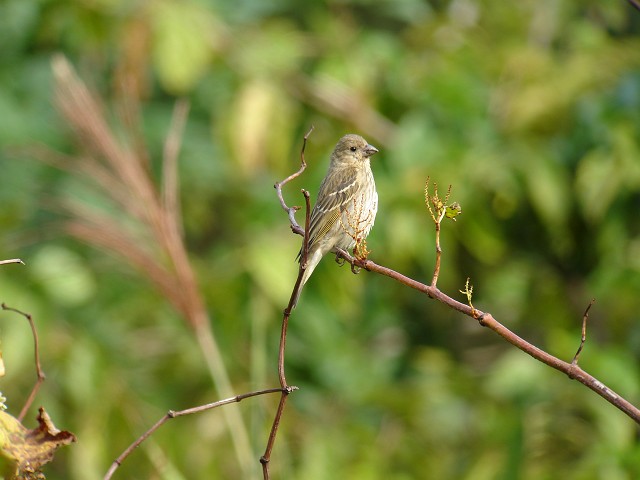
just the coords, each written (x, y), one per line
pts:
(370, 150)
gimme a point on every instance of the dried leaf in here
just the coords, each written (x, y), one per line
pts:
(26, 451)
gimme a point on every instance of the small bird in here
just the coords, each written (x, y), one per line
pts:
(347, 203)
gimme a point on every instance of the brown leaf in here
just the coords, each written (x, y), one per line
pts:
(28, 450)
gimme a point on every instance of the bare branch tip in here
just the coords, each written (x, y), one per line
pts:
(11, 260)
(468, 292)
(309, 132)
(583, 336)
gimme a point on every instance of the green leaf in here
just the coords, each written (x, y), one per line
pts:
(184, 36)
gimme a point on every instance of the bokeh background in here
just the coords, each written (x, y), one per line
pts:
(529, 109)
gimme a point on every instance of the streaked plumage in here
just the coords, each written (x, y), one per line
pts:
(348, 191)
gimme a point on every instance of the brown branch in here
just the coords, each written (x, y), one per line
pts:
(583, 337)
(180, 413)
(266, 457)
(573, 371)
(40, 374)
(635, 4)
(296, 291)
(295, 228)
(286, 389)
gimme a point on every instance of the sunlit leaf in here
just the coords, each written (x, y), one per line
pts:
(184, 40)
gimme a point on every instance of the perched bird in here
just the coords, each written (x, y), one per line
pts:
(347, 203)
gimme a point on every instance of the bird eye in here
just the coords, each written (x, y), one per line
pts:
(353, 149)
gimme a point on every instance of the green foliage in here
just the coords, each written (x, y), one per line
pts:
(531, 110)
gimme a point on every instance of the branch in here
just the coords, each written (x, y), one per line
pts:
(295, 228)
(583, 337)
(40, 374)
(572, 370)
(11, 260)
(439, 210)
(286, 389)
(180, 413)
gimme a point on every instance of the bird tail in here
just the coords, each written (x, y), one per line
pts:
(313, 259)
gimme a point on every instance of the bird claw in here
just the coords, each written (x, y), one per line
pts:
(355, 269)
(340, 260)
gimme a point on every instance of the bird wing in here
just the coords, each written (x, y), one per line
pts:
(336, 192)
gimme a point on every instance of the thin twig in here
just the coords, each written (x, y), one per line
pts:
(583, 337)
(278, 186)
(305, 237)
(635, 4)
(286, 389)
(436, 269)
(11, 260)
(266, 457)
(36, 346)
(437, 210)
(180, 413)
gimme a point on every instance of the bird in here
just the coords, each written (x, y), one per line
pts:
(346, 205)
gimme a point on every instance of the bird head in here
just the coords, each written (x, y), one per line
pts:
(352, 149)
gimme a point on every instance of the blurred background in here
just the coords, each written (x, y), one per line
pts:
(530, 110)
